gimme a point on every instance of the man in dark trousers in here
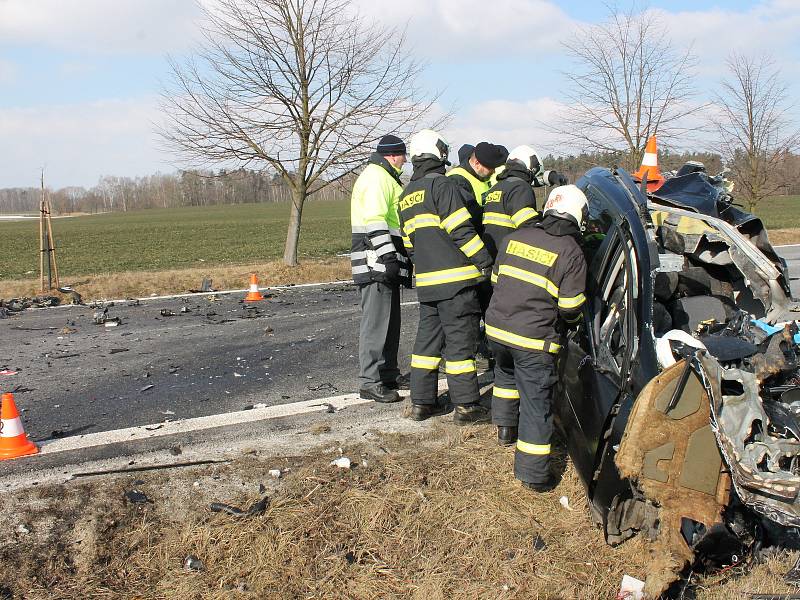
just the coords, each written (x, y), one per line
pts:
(449, 258)
(539, 280)
(380, 265)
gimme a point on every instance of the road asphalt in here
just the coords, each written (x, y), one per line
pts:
(159, 364)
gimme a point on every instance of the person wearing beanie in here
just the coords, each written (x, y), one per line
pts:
(380, 265)
(464, 154)
(473, 181)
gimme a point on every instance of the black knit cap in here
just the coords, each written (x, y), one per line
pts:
(464, 153)
(389, 145)
(491, 156)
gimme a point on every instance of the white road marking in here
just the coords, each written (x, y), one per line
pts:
(144, 432)
(147, 432)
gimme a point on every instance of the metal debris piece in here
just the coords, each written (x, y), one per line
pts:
(255, 509)
(159, 467)
(147, 387)
(113, 322)
(165, 312)
(8, 372)
(118, 350)
(100, 317)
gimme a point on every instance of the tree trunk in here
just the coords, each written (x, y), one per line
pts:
(293, 233)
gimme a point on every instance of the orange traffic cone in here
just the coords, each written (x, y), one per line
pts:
(649, 170)
(13, 441)
(253, 295)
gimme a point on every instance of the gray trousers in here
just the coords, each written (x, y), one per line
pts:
(379, 336)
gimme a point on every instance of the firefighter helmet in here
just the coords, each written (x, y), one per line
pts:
(568, 201)
(429, 143)
(528, 157)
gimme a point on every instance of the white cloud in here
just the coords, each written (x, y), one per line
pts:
(766, 28)
(474, 29)
(100, 26)
(78, 143)
(506, 122)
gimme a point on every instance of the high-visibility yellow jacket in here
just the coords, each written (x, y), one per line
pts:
(376, 250)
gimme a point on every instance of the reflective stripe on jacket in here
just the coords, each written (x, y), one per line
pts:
(539, 276)
(447, 252)
(375, 225)
(508, 205)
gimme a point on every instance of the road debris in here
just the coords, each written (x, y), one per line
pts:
(8, 372)
(630, 589)
(538, 543)
(564, 501)
(137, 497)
(275, 473)
(118, 350)
(342, 463)
(257, 508)
(192, 563)
(147, 387)
(157, 467)
(165, 312)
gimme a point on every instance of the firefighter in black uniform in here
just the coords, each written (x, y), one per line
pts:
(449, 259)
(539, 280)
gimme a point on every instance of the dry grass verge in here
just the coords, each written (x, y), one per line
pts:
(780, 237)
(429, 517)
(145, 283)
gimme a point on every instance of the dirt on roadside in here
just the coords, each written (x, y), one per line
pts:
(137, 284)
(431, 517)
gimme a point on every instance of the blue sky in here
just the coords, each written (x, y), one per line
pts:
(79, 79)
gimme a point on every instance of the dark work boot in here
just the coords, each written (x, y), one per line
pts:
(507, 435)
(403, 382)
(379, 393)
(420, 412)
(464, 414)
(542, 487)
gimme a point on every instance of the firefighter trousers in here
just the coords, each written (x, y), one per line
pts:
(524, 381)
(448, 330)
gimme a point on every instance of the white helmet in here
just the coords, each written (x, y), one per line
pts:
(568, 201)
(528, 157)
(428, 143)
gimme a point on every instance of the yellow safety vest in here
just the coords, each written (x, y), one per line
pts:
(479, 188)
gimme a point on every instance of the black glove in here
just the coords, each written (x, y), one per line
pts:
(392, 274)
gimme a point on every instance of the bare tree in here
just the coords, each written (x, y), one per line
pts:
(301, 88)
(629, 84)
(755, 133)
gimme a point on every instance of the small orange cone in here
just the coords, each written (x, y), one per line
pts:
(649, 169)
(13, 441)
(253, 295)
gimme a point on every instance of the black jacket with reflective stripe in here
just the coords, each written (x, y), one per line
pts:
(539, 276)
(509, 205)
(376, 249)
(447, 252)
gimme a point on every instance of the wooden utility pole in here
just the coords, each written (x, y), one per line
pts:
(47, 248)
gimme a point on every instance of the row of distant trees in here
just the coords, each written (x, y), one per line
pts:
(207, 188)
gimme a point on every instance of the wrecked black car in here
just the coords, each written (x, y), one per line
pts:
(680, 393)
